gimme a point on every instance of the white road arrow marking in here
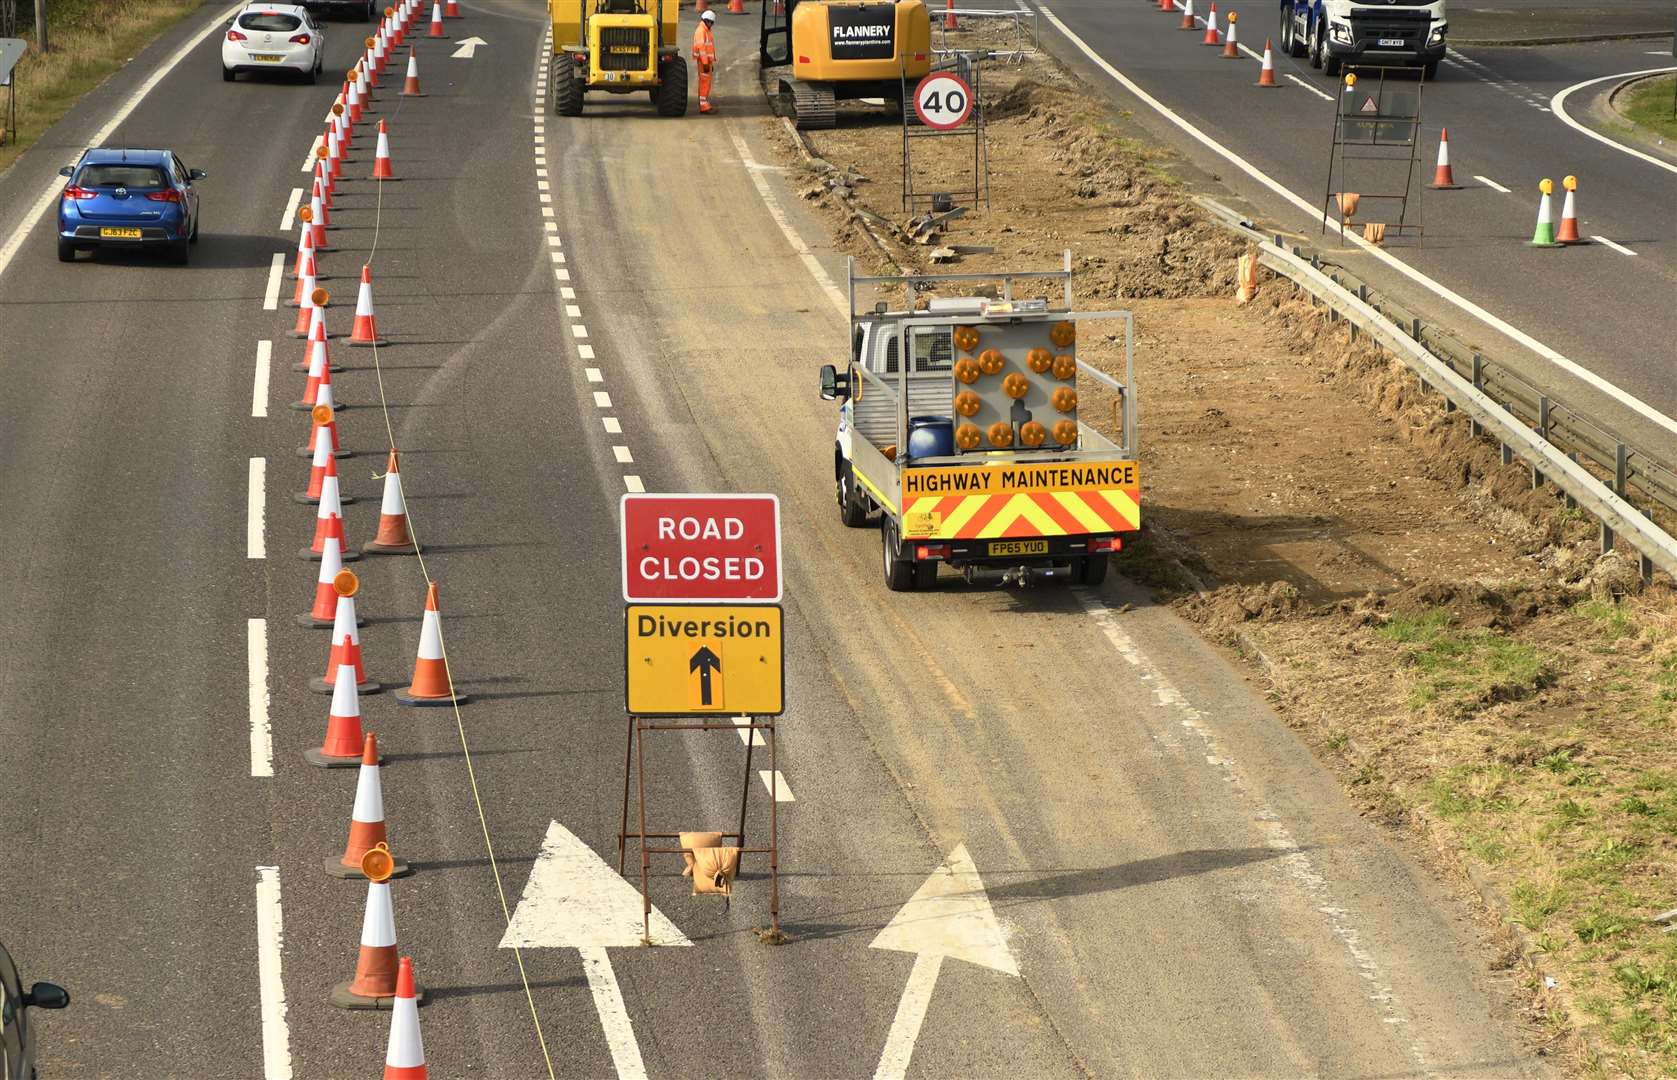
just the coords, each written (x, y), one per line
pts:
(467, 47)
(574, 900)
(949, 915)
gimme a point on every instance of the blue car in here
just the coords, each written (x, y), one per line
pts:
(118, 197)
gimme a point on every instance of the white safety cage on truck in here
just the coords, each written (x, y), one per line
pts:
(959, 426)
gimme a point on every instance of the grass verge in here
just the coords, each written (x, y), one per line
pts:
(90, 39)
(1647, 105)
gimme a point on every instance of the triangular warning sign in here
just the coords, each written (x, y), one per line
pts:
(1369, 106)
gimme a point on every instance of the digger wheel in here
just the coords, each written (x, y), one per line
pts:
(671, 95)
(567, 92)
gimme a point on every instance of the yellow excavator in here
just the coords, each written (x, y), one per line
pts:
(616, 46)
(842, 50)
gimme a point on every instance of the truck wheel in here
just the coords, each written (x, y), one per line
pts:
(899, 572)
(567, 92)
(1290, 44)
(1091, 569)
(671, 95)
(1330, 62)
(853, 507)
(1314, 44)
(1430, 71)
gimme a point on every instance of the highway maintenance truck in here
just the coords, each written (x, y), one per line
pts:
(620, 47)
(959, 426)
(1336, 34)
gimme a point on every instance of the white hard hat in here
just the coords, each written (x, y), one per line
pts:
(709, 16)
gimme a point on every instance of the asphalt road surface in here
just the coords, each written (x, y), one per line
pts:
(1609, 307)
(576, 308)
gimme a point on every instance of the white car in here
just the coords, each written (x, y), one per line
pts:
(273, 37)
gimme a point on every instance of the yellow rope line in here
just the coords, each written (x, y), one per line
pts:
(448, 670)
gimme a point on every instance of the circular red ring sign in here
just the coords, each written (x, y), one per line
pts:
(943, 100)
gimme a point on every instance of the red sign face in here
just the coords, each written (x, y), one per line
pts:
(701, 548)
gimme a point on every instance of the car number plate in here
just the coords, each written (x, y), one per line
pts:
(1019, 547)
(1392, 43)
(119, 234)
(267, 58)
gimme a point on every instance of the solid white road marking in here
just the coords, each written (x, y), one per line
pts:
(776, 781)
(1558, 105)
(1620, 248)
(614, 1017)
(949, 915)
(633, 483)
(1307, 86)
(612, 425)
(291, 209)
(259, 387)
(621, 453)
(256, 666)
(766, 193)
(256, 546)
(270, 934)
(1623, 397)
(270, 298)
(49, 195)
(1488, 182)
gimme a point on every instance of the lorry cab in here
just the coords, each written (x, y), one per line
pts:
(1335, 34)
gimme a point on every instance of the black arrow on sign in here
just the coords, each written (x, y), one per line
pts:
(704, 662)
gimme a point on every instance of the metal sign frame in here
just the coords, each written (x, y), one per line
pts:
(1389, 136)
(11, 50)
(969, 68)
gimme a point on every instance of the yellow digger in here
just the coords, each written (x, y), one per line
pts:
(842, 50)
(616, 46)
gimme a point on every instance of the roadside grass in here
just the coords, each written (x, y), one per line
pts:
(1571, 812)
(1647, 105)
(90, 39)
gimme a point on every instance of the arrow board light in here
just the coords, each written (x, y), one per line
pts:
(575, 900)
(950, 915)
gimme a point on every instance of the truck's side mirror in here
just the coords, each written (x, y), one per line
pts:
(834, 385)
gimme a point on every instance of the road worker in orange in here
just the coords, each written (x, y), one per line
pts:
(704, 55)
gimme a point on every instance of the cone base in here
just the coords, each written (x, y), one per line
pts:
(303, 406)
(376, 548)
(380, 342)
(404, 93)
(405, 696)
(336, 868)
(385, 179)
(349, 555)
(340, 453)
(308, 622)
(366, 686)
(1444, 187)
(314, 500)
(326, 761)
(334, 367)
(1548, 244)
(343, 999)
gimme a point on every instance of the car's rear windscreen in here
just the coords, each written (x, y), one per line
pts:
(132, 176)
(272, 22)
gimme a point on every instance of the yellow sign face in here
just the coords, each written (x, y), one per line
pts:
(1017, 477)
(693, 659)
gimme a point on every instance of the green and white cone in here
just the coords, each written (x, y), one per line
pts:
(1545, 234)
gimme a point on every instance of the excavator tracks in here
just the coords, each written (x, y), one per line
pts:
(813, 106)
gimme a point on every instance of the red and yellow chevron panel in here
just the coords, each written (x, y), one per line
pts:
(1006, 501)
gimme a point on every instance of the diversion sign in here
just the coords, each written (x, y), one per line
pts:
(863, 31)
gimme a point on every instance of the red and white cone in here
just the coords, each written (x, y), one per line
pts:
(324, 462)
(334, 153)
(363, 83)
(365, 332)
(394, 537)
(410, 85)
(305, 243)
(430, 671)
(1231, 47)
(1266, 77)
(404, 1056)
(437, 30)
(1442, 178)
(381, 157)
(316, 343)
(329, 524)
(324, 613)
(452, 9)
(352, 102)
(314, 300)
(736, 7)
(307, 275)
(376, 984)
(1211, 35)
(949, 22)
(323, 180)
(1167, 5)
(345, 653)
(341, 749)
(1568, 233)
(377, 55)
(317, 218)
(1187, 22)
(326, 421)
(366, 820)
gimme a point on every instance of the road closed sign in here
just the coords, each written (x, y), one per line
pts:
(694, 548)
(943, 101)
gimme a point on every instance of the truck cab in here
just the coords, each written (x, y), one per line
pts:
(1336, 34)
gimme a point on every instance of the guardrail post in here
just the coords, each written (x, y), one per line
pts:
(1647, 566)
(1475, 427)
(1606, 538)
(1415, 328)
(1507, 451)
(1543, 430)
(1621, 469)
(1571, 503)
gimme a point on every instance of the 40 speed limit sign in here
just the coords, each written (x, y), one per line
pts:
(943, 100)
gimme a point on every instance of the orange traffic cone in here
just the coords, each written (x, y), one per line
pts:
(329, 523)
(325, 460)
(345, 652)
(1211, 35)
(315, 300)
(404, 1055)
(700, 7)
(1231, 47)
(341, 749)
(334, 153)
(736, 7)
(323, 180)
(307, 276)
(323, 400)
(1266, 77)
(1167, 5)
(430, 671)
(305, 245)
(375, 983)
(375, 59)
(780, 9)
(394, 537)
(949, 22)
(1568, 233)
(410, 86)
(1442, 178)
(316, 344)
(437, 20)
(1187, 16)
(366, 820)
(325, 610)
(352, 100)
(452, 9)
(321, 220)
(365, 331)
(381, 156)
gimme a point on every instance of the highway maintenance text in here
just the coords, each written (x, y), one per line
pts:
(1005, 479)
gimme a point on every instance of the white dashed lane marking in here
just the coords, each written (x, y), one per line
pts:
(1488, 182)
(621, 453)
(259, 385)
(291, 209)
(256, 501)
